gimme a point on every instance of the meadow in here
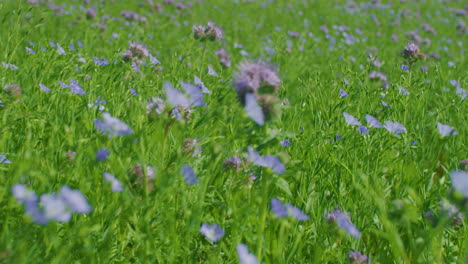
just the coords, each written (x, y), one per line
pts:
(233, 131)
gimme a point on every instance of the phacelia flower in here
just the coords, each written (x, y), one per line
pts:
(234, 162)
(212, 232)
(116, 185)
(343, 221)
(102, 154)
(189, 175)
(112, 126)
(223, 57)
(285, 143)
(44, 88)
(210, 32)
(357, 257)
(446, 130)
(74, 87)
(394, 127)
(343, 93)
(284, 210)
(268, 161)
(351, 120)
(55, 208)
(373, 122)
(244, 256)
(155, 105)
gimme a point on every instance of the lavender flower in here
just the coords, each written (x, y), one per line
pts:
(60, 50)
(234, 162)
(102, 154)
(55, 208)
(223, 57)
(343, 93)
(244, 256)
(23, 194)
(189, 175)
(212, 72)
(254, 110)
(394, 127)
(30, 51)
(403, 91)
(460, 181)
(4, 160)
(462, 93)
(210, 32)
(44, 88)
(74, 87)
(174, 97)
(285, 143)
(112, 126)
(212, 232)
(404, 67)
(363, 130)
(373, 122)
(256, 78)
(200, 85)
(267, 161)
(351, 120)
(196, 96)
(133, 92)
(9, 66)
(75, 200)
(155, 105)
(357, 257)
(343, 221)
(101, 62)
(446, 130)
(284, 210)
(116, 185)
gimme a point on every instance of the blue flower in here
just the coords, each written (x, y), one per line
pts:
(200, 85)
(343, 93)
(363, 130)
(285, 143)
(285, 210)
(460, 181)
(244, 256)
(135, 67)
(446, 130)
(102, 154)
(212, 72)
(404, 67)
(343, 221)
(196, 96)
(44, 88)
(4, 160)
(189, 175)
(60, 50)
(74, 87)
(373, 122)
(101, 62)
(153, 61)
(394, 127)
(29, 50)
(112, 126)
(55, 208)
(116, 185)
(75, 200)
(462, 93)
(9, 66)
(212, 232)
(254, 110)
(133, 92)
(351, 120)
(99, 103)
(403, 91)
(267, 161)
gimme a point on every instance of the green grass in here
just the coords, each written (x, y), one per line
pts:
(363, 174)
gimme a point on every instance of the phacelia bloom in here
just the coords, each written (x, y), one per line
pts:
(234, 162)
(29, 199)
(284, 210)
(210, 32)
(189, 175)
(357, 257)
(55, 208)
(178, 99)
(373, 122)
(343, 93)
(74, 87)
(363, 130)
(380, 76)
(343, 221)
(212, 72)
(132, 16)
(9, 66)
(253, 109)
(102, 154)
(285, 143)
(351, 120)
(13, 90)
(244, 256)
(139, 174)
(212, 232)
(404, 67)
(460, 181)
(90, 13)
(155, 105)
(268, 161)
(23, 194)
(255, 78)
(44, 88)
(223, 57)
(136, 51)
(116, 185)
(101, 61)
(112, 126)
(394, 127)
(446, 130)
(75, 200)
(411, 51)
(4, 160)
(198, 82)
(60, 50)
(99, 104)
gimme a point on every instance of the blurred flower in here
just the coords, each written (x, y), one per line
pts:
(244, 256)
(253, 109)
(351, 120)
(212, 232)
(55, 208)
(373, 122)
(60, 50)
(116, 185)
(9, 66)
(394, 127)
(285, 210)
(137, 52)
(446, 130)
(75, 200)
(112, 126)
(4, 160)
(210, 32)
(460, 181)
(404, 67)
(363, 130)
(44, 88)
(90, 13)
(13, 90)
(268, 161)
(343, 221)
(139, 174)
(74, 87)
(255, 78)
(463, 164)
(234, 162)
(343, 93)
(155, 105)
(189, 175)
(102, 154)
(212, 72)
(99, 103)
(285, 143)
(357, 257)
(403, 91)
(101, 62)
(223, 57)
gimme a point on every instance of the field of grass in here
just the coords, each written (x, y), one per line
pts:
(393, 191)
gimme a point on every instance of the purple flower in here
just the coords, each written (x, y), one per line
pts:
(254, 110)
(153, 61)
(343, 221)
(373, 122)
(244, 256)
(212, 72)
(284, 210)
(101, 62)
(446, 130)
(462, 93)
(99, 103)
(196, 96)
(174, 97)
(351, 120)
(363, 130)
(44, 88)
(385, 104)
(9, 66)
(403, 91)
(460, 181)
(112, 126)
(75, 200)
(74, 87)
(200, 85)
(404, 67)
(394, 127)
(116, 185)
(343, 93)
(357, 257)
(285, 143)
(189, 175)
(212, 232)
(4, 160)
(267, 161)
(60, 50)
(23, 194)
(135, 67)
(102, 154)
(55, 208)
(29, 50)
(133, 92)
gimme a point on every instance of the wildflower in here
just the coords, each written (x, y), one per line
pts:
(268, 161)
(285, 210)
(44, 88)
(195, 94)
(244, 256)
(373, 122)
(90, 13)
(357, 257)
(210, 32)
(74, 87)
(411, 51)
(191, 146)
(212, 232)
(153, 61)
(23, 194)
(404, 67)
(55, 208)
(254, 110)
(13, 90)
(139, 174)
(30, 51)
(189, 175)
(200, 85)
(212, 72)
(133, 92)
(403, 91)
(394, 127)
(234, 162)
(75, 200)
(133, 16)
(136, 51)
(462, 93)
(223, 57)
(135, 67)
(60, 50)
(445, 210)
(101, 62)
(116, 185)
(343, 221)
(351, 120)
(9, 66)
(294, 34)
(460, 181)
(112, 126)
(285, 143)
(363, 130)
(446, 130)
(343, 93)
(155, 105)
(102, 154)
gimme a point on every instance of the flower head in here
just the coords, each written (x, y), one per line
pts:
(460, 181)
(223, 57)
(343, 221)
(267, 161)
(357, 257)
(116, 185)
(112, 126)
(212, 232)
(189, 175)
(285, 210)
(102, 154)
(75, 200)
(256, 78)
(351, 120)
(394, 127)
(244, 256)
(210, 32)
(446, 130)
